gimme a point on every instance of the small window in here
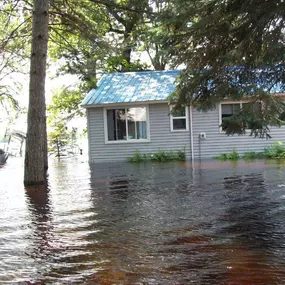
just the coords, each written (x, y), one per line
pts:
(179, 120)
(228, 110)
(126, 124)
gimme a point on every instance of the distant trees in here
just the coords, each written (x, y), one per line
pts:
(65, 103)
(58, 138)
(63, 109)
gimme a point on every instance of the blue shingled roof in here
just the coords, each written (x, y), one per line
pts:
(132, 87)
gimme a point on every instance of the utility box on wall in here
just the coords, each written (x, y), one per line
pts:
(202, 136)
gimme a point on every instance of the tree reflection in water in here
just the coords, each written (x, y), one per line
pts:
(40, 210)
(253, 235)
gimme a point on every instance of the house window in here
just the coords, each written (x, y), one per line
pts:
(127, 124)
(228, 110)
(179, 119)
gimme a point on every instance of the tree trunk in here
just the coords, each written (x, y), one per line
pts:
(57, 148)
(36, 142)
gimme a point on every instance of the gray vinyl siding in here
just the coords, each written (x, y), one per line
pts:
(217, 142)
(161, 138)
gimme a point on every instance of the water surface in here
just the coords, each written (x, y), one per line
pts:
(216, 223)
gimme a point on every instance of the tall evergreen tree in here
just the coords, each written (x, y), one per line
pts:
(36, 140)
(233, 50)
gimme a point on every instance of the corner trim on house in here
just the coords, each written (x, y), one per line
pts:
(191, 133)
(88, 135)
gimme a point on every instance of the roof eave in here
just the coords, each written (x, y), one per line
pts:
(87, 106)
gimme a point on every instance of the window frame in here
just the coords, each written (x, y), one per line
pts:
(220, 112)
(127, 140)
(186, 117)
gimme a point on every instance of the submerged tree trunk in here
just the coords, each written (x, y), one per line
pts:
(36, 142)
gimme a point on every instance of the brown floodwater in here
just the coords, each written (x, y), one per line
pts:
(217, 223)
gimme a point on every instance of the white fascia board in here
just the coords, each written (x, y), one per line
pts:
(107, 105)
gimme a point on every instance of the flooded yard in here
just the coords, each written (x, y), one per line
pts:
(215, 223)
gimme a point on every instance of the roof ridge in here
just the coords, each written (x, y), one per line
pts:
(143, 71)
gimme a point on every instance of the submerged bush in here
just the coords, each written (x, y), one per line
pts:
(253, 155)
(181, 155)
(160, 156)
(231, 156)
(276, 150)
(137, 157)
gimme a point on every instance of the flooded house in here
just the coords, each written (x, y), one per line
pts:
(130, 112)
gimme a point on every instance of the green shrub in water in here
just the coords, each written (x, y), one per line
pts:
(253, 155)
(137, 157)
(160, 156)
(276, 150)
(181, 155)
(225, 156)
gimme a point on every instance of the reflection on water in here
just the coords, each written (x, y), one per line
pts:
(216, 223)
